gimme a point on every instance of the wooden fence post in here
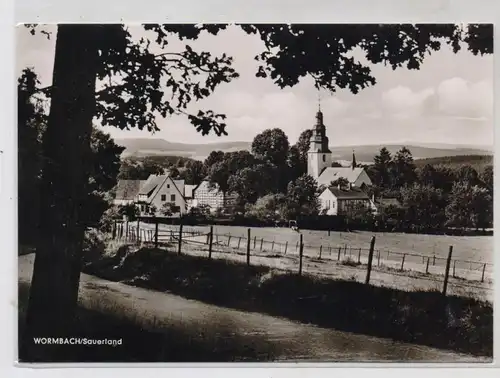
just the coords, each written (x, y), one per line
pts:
(114, 229)
(156, 232)
(248, 246)
(434, 260)
(239, 242)
(359, 256)
(330, 250)
(484, 269)
(328, 232)
(320, 251)
(210, 241)
(370, 259)
(454, 263)
(138, 230)
(447, 271)
(229, 240)
(261, 242)
(403, 262)
(427, 266)
(126, 230)
(272, 246)
(378, 257)
(345, 249)
(340, 250)
(296, 246)
(301, 252)
(180, 239)
(286, 246)
(254, 241)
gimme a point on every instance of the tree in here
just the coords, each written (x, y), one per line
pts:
(487, 177)
(132, 76)
(444, 178)
(250, 183)
(302, 197)
(31, 123)
(468, 175)
(194, 173)
(381, 168)
(424, 207)
(271, 207)
(459, 209)
(214, 157)
(271, 146)
(232, 162)
(295, 165)
(105, 166)
(482, 207)
(403, 168)
(469, 206)
(427, 174)
(341, 182)
(131, 211)
(173, 172)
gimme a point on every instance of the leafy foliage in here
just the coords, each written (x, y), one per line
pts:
(325, 52)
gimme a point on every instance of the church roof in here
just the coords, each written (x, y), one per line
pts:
(330, 174)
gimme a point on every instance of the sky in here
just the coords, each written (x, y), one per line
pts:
(449, 100)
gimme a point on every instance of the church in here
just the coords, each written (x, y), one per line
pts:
(336, 200)
(319, 161)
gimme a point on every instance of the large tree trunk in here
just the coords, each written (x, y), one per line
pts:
(66, 149)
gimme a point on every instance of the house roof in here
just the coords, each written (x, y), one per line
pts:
(128, 189)
(188, 190)
(151, 184)
(330, 174)
(348, 194)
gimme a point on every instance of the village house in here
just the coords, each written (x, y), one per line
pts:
(151, 194)
(204, 194)
(338, 201)
(126, 191)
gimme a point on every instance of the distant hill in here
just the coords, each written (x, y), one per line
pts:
(478, 162)
(364, 153)
(147, 146)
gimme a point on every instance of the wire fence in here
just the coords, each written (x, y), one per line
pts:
(298, 256)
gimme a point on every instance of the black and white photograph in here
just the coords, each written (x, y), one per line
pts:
(200, 193)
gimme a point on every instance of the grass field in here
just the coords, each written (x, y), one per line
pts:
(408, 261)
(475, 248)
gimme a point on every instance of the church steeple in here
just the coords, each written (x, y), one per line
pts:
(353, 164)
(319, 155)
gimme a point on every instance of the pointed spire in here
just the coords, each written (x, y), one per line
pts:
(319, 114)
(353, 164)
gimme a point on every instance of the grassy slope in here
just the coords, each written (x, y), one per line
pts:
(478, 162)
(420, 317)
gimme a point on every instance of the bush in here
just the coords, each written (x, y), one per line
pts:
(94, 245)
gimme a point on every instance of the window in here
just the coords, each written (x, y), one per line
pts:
(163, 197)
(172, 197)
(324, 158)
(168, 186)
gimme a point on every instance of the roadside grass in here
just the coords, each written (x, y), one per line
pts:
(144, 339)
(422, 317)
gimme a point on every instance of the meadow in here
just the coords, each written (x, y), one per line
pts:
(408, 261)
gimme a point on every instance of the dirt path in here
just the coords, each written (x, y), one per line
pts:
(287, 340)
